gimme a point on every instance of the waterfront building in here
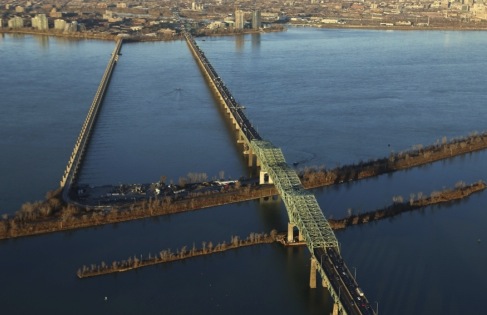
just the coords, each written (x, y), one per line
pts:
(239, 19)
(71, 27)
(16, 22)
(55, 14)
(195, 6)
(1, 23)
(256, 20)
(19, 9)
(59, 24)
(40, 22)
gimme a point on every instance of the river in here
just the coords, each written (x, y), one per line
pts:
(326, 97)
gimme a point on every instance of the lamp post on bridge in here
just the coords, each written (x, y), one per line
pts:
(355, 273)
(377, 308)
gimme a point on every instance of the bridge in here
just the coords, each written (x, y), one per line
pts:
(302, 208)
(76, 159)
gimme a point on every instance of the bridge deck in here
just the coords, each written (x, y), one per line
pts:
(302, 208)
(76, 158)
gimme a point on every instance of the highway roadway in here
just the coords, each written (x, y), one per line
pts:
(343, 282)
(242, 120)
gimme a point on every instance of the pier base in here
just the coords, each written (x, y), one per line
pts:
(264, 178)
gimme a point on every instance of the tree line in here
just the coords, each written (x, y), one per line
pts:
(415, 202)
(419, 155)
(168, 255)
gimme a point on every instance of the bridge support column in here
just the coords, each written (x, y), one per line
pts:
(300, 236)
(240, 137)
(335, 309)
(290, 232)
(312, 273)
(251, 157)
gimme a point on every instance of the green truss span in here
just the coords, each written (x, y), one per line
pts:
(302, 207)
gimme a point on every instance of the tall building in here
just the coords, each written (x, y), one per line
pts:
(40, 22)
(195, 6)
(59, 24)
(55, 14)
(1, 23)
(16, 22)
(256, 20)
(239, 19)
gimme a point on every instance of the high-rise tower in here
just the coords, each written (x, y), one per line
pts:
(256, 20)
(239, 19)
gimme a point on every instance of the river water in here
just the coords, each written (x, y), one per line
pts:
(326, 97)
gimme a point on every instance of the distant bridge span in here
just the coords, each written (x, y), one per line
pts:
(70, 174)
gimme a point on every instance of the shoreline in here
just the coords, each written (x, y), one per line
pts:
(111, 37)
(391, 28)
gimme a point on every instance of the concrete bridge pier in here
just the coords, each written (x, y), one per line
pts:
(335, 309)
(312, 283)
(251, 157)
(240, 137)
(290, 233)
(312, 273)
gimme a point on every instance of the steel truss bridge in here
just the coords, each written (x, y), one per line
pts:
(303, 210)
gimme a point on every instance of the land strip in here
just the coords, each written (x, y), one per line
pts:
(399, 206)
(53, 215)
(166, 256)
